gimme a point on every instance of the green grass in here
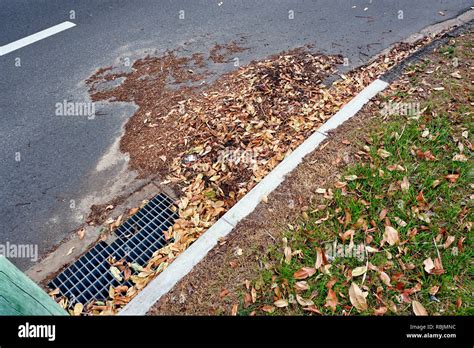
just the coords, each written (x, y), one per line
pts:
(445, 211)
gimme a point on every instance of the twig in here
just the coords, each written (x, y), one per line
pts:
(271, 236)
(403, 131)
(437, 250)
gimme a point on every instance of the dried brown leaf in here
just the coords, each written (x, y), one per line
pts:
(304, 273)
(357, 297)
(331, 300)
(281, 303)
(391, 235)
(418, 309)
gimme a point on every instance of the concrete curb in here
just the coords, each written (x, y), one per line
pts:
(185, 262)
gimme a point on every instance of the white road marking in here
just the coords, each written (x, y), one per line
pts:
(15, 45)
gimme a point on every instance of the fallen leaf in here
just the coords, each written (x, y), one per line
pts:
(357, 297)
(70, 251)
(234, 309)
(380, 311)
(78, 308)
(133, 211)
(414, 289)
(351, 177)
(458, 302)
(435, 183)
(420, 198)
(331, 300)
(385, 278)
(347, 217)
(459, 157)
(301, 286)
(81, 233)
(418, 309)
(268, 309)
(117, 222)
(359, 271)
(449, 241)
(340, 184)
(405, 185)
(460, 241)
(304, 273)
(247, 300)
(136, 267)
(393, 307)
(116, 273)
(320, 258)
(331, 283)
(304, 302)
(224, 292)
(427, 155)
(396, 167)
(127, 273)
(312, 309)
(391, 235)
(122, 288)
(253, 294)
(452, 177)
(287, 253)
(54, 292)
(456, 75)
(111, 292)
(433, 290)
(371, 250)
(438, 269)
(281, 303)
(429, 265)
(400, 222)
(383, 153)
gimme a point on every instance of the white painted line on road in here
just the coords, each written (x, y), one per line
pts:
(185, 262)
(15, 45)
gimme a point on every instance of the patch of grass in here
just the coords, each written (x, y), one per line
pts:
(415, 175)
(447, 50)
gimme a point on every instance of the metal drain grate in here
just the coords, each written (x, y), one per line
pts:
(89, 278)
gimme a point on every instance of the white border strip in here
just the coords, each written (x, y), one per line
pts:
(43, 34)
(185, 262)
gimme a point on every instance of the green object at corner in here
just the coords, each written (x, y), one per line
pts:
(19, 295)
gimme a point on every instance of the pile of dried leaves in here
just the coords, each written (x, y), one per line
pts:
(391, 235)
(215, 142)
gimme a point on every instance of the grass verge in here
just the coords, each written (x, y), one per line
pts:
(392, 235)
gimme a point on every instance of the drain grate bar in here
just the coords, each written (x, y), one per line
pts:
(89, 278)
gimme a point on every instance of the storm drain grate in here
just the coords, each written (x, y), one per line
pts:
(89, 278)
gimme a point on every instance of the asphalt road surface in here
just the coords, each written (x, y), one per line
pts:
(52, 168)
